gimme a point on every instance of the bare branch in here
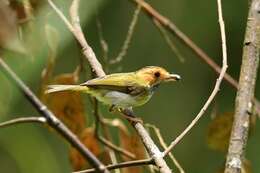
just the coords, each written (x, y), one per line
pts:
(168, 40)
(164, 145)
(103, 42)
(110, 145)
(215, 90)
(122, 165)
(77, 32)
(51, 118)
(245, 93)
(61, 15)
(172, 28)
(129, 36)
(116, 148)
(23, 120)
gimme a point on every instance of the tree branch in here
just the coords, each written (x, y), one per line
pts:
(122, 165)
(164, 145)
(128, 38)
(245, 93)
(51, 119)
(41, 120)
(217, 85)
(172, 28)
(153, 150)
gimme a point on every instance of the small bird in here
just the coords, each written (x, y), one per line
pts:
(122, 90)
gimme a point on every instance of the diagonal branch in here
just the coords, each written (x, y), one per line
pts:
(245, 93)
(51, 118)
(164, 145)
(152, 149)
(128, 38)
(122, 165)
(41, 120)
(216, 88)
(174, 30)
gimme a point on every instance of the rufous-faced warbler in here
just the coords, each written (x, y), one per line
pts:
(122, 90)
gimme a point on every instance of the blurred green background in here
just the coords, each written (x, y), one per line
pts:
(30, 148)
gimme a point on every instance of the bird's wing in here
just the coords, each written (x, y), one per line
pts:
(123, 82)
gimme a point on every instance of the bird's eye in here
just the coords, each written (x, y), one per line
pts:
(157, 74)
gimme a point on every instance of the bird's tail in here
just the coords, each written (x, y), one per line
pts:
(58, 88)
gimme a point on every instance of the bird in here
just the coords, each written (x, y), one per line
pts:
(122, 90)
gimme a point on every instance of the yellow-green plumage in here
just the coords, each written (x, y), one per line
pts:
(121, 89)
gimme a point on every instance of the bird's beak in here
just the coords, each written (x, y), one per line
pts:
(173, 77)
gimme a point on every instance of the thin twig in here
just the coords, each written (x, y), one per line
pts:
(122, 165)
(172, 28)
(164, 145)
(60, 14)
(168, 40)
(28, 10)
(245, 93)
(77, 32)
(129, 36)
(98, 120)
(116, 148)
(51, 118)
(23, 120)
(103, 42)
(152, 149)
(216, 88)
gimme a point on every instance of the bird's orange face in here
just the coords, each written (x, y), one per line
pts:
(155, 75)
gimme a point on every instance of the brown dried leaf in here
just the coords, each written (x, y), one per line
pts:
(219, 131)
(67, 106)
(8, 22)
(89, 139)
(132, 143)
(18, 8)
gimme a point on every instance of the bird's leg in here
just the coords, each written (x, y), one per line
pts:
(127, 113)
(112, 108)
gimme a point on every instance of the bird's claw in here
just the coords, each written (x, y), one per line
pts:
(133, 119)
(136, 120)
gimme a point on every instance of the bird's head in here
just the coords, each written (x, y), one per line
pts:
(155, 75)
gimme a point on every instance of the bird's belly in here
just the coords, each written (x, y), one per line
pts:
(122, 100)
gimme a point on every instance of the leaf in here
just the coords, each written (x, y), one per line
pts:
(132, 143)
(68, 107)
(219, 131)
(89, 139)
(8, 29)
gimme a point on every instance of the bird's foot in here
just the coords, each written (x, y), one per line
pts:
(133, 119)
(112, 108)
(128, 114)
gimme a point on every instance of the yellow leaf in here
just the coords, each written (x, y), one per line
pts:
(219, 132)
